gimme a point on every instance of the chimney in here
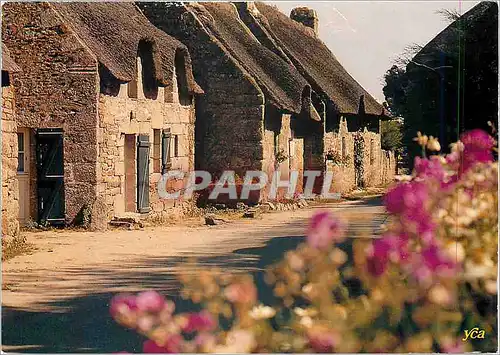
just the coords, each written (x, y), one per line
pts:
(306, 16)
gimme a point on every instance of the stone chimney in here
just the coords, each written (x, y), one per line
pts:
(306, 16)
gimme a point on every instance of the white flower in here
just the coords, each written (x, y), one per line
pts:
(301, 312)
(306, 322)
(262, 312)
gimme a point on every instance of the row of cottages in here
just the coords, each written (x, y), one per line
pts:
(275, 95)
(104, 103)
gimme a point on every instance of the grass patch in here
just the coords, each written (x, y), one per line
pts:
(15, 247)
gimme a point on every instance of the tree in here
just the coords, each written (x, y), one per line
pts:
(450, 85)
(391, 135)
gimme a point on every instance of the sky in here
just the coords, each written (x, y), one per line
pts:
(368, 36)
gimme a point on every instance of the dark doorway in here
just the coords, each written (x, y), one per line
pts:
(50, 171)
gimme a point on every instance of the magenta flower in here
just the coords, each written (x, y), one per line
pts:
(432, 261)
(172, 346)
(478, 147)
(121, 303)
(406, 197)
(390, 247)
(150, 301)
(203, 321)
(324, 229)
(455, 346)
(323, 340)
(478, 140)
(429, 168)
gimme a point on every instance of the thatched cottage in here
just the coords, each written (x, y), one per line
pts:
(350, 143)
(256, 110)
(255, 63)
(104, 101)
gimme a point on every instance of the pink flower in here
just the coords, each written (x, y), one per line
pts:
(429, 168)
(323, 340)
(150, 301)
(478, 147)
(410, 196)
(243, 292)
(477, 139)
(455, 346)
(199, 322)
(122, 301)
(324, 229)
(432, 261)
(123, 309)
(173, 345)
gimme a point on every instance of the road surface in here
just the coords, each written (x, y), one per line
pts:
(56, 299)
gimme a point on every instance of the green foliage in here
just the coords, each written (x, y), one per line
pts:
(391, 135)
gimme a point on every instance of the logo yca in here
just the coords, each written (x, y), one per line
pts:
(474, 333)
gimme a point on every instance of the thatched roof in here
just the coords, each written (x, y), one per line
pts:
(280, 81)
(315, 61)
(476, 19)
(113, 32)
(8, 63)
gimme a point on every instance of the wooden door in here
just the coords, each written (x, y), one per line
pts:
(143, 147)
(50, 176)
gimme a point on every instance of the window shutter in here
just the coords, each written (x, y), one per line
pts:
(143, 147)
(165, 151)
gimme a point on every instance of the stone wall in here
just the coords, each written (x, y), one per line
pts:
(339, 157)
(229, 116)
(10, 188)
(378, 166)
(55, 89)
(121, 115)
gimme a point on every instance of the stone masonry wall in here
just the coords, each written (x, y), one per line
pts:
(229, 116)
(119, 116)
(10, 187)
(56, 89)
(340, 160)
(378, 165)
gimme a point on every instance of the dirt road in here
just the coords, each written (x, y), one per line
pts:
(56, 299)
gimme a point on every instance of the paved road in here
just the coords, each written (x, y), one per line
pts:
(56, 300)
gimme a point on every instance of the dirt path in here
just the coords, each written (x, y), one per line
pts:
(71, 276)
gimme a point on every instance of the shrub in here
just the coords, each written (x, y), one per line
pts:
(428, 278)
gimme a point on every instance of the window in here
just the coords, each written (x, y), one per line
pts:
(176, 145)
(165, 151)
(20, 153)
(156, 151)
(343, 148)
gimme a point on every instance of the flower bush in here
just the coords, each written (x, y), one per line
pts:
(430, 276)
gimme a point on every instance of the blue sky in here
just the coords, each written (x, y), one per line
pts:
(367, 36)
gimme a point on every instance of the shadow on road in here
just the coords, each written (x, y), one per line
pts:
(83, 324)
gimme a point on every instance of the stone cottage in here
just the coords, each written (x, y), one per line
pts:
(256, 110)
(252, 60)
(105, 101)
(349, 140)
(12, 168)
